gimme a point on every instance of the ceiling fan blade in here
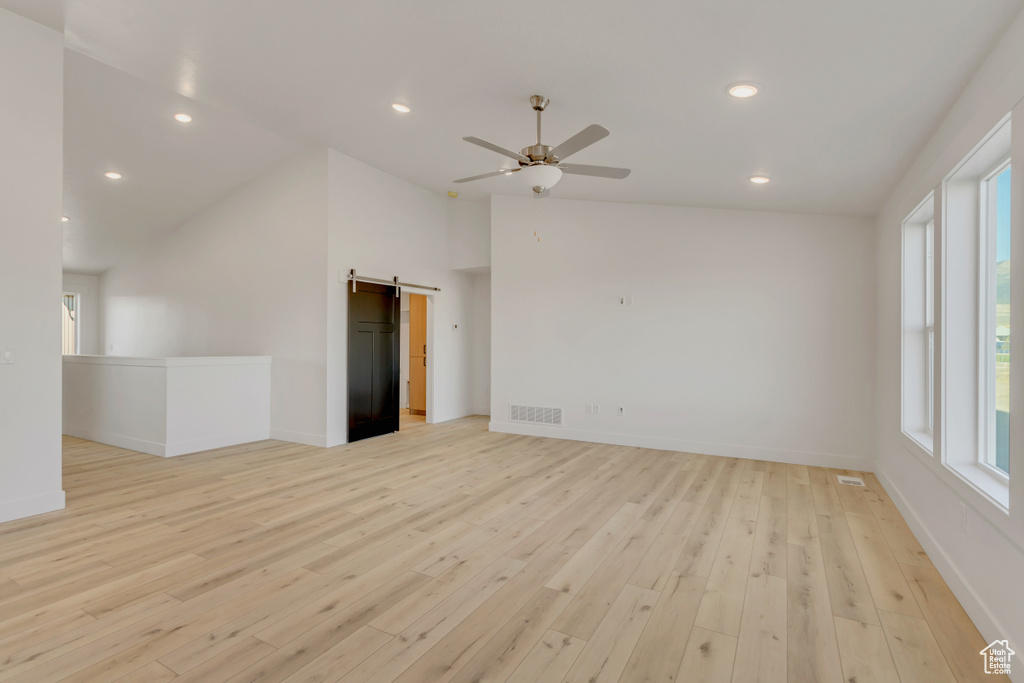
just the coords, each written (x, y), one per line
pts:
(585, 138)
(599, 171)
(494, 148)
(504, 171)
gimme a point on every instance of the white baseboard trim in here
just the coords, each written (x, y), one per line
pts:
(167, 450)
(843, 462)
(977, 610)
(186, 447)
(120, 440)
(11, 510)
(318, 440)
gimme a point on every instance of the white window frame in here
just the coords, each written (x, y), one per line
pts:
(78, 321)
(917, 321)
(957, 301)
(962, 242)
(987, 321)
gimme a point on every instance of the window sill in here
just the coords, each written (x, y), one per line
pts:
(920, 444)
(986, 482)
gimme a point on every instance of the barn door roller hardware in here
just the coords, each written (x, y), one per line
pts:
(393, 282)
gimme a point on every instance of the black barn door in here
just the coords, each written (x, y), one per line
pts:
(373, 362)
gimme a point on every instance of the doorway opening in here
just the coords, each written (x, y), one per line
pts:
(416, 359)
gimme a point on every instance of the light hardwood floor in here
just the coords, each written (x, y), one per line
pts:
(448, 553)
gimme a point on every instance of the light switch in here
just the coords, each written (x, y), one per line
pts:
(7, 357)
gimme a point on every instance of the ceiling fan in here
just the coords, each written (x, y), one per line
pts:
(541, 165)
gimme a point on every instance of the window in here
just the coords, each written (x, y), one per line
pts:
(918, 372)
(70, 324)
(973, 331)
(929, 317)
(995, 333)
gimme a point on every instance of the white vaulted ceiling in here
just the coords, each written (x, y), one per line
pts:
(849, 90)
(116, 122)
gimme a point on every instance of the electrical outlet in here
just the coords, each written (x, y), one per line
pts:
(622, 411)
(597, 409)
(963, 517)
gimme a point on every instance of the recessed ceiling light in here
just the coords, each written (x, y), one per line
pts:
(759, 179)
(64, 219)
(400, 108)
(742, 90)
(113, 175)
(183, 118)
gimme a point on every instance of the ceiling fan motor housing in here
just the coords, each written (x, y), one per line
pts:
(538, 154)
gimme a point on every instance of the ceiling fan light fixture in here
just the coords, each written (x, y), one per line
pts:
(543, 176)
(742, 90)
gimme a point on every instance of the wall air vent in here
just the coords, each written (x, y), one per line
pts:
(536, 415)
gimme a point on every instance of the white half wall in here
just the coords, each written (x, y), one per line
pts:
(31, 178)
(983, 564)
(87, 288)
(383, 227)
(167, 406)
(242, 278)
(749, 334)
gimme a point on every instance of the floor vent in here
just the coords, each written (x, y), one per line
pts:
(850, 481)
(536, 415)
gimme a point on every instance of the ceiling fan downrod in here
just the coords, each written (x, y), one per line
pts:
(538, 153)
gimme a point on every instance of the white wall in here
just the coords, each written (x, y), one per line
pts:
(243, 278)
(31, 176)
(983, 566)
(383, 227)
(469, 250)
(469, 233)
(246, 277)
(750, 334)
(87, 288)
(482, 343)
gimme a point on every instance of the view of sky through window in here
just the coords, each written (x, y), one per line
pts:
(1002, 225)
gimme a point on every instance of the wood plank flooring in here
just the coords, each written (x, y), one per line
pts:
(448, 553)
